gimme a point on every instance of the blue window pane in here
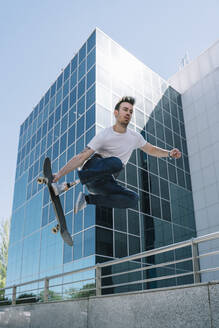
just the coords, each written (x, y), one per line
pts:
(65, 106)
(69, 200)
(62, 160)
(63, 143)
(21, 129)
(89, 135)
(66, 72)
(53, 90)
(23, 150)
(58, 97)
(89, 242)
(56, 132)
(49, 138)
(67, 256)
(74, 63)
(72, 116)
(69, 218)
(38, 136)
(77, 249)
(78, 222)
(59, 82)
(64, 123)
(71, 153)
(89, 216)
(34, 126)
(81, 105)
(73, 80)
(57, 113)
(32, 157)
(41, 104)
(52, 105)
(81, 88)
(47, 97)
(33, 214)
(43, 145)
(72, 97)
(91, 41)
(91, 77)
(65, 88)
(49, 152)
(82, 53)
(41, 163)
(90, 117)
(51, 120)
(40, 109)
(55, 167)
(45, 113)
(71, 176)
(40, 119)
(29, 190)
(80, 126)
(33, 141)
(33, 115)
(37, 152)
(28, 146)
(90, 97)
(30, 174)
(71, 135)
(91, 59)
(55, 150)
(45, 216)
(51, 213)
(81, 70)
(34, 188)
(79, 145)
(35, 168)
(134, 245)
(36, 109)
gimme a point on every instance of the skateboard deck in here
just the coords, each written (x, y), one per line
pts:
(61, 226)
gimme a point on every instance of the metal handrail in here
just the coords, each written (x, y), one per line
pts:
(193, 243)
(149, 280)
(149, 267)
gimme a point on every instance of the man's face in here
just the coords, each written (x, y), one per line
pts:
(124, 114)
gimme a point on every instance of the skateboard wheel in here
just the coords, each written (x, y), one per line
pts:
(55, 229)
(41, 180)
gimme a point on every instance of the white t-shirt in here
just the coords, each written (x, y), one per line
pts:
(109, 143)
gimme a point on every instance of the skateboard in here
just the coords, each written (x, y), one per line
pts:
(54, 196)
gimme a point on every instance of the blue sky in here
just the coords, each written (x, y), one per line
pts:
(38, 39)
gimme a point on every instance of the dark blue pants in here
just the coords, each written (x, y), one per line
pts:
(98, 176)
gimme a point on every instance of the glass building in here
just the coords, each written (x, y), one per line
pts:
(77, 106)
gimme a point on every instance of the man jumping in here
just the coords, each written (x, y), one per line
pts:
(105, 156)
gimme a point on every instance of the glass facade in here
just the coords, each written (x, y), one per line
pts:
(77, 106)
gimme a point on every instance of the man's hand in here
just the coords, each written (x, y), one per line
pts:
(56, 177)
(175, 153)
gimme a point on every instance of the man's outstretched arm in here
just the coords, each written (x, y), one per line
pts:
(74, 163)
(159, 152)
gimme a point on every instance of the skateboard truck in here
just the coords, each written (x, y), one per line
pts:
(58, 188)
(42, 180)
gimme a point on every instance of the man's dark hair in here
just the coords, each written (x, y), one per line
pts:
(127, 99)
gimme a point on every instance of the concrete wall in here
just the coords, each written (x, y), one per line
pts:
(195, 306)
(199, 84)
(197, 69)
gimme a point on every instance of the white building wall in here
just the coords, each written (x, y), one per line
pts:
(199, 84)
